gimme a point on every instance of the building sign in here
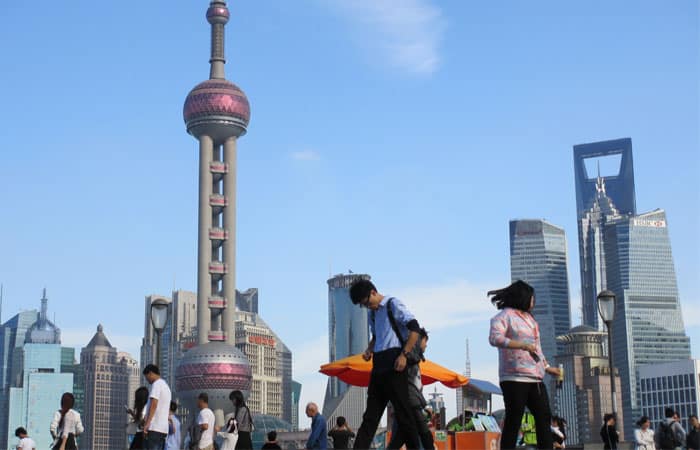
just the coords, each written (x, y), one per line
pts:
(262, 340)
(650, 223)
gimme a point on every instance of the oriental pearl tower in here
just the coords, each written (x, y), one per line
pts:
(216, 113)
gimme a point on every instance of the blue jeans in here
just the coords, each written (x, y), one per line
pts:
(155, 441)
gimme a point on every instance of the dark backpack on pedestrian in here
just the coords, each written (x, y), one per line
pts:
(667, 438)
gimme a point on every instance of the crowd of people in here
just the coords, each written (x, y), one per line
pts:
(397, 346)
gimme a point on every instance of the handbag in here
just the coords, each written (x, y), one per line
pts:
(230, 436)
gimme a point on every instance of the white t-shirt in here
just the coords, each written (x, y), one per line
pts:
(206, 416)
(161, 392)
(26, 444)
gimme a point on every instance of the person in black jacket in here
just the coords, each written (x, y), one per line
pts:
(609, 433)
(693, 438)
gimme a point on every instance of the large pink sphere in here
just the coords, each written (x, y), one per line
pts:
(217, 108)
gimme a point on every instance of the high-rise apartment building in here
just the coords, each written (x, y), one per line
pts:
(109, 376)
(467, 373)
(538, 257)
(671, 384)
(585, 395)
(648, 326)
(348, 334)
(70, 365)
(592, 208)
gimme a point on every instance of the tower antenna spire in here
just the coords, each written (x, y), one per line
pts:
(217, 16)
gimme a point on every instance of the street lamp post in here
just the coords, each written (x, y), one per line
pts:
(606, 308)
(159, 317)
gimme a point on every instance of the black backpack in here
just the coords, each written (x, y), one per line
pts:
(667, 438)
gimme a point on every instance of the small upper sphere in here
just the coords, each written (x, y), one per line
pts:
(218, 13)
(218, 108)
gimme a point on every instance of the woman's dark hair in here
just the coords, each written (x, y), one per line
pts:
(642, 420)
(272, 436)
(67, 402)
(239, 402)
(518, 295)
(608, 417)
(360, 290)
(423, 333)
(140, 400)
(340, 421)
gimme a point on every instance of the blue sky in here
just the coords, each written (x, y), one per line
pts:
(390, 137)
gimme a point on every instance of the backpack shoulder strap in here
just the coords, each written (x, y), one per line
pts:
(392, 320)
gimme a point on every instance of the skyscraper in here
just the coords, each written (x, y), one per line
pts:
(13, 334)
(179, 334)
(216, 113)
(37, 382)
(592, 208)
(467, 373)
(111, 377)
(348, 334)
(629, 254)
(648, 326)
(538, 257)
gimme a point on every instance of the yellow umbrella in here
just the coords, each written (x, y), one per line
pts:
(354, 370)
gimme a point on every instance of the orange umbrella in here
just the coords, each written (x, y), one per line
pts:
(355, 371)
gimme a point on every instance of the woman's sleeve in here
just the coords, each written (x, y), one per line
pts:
(79, 428)
(54, 423)
(497, 335)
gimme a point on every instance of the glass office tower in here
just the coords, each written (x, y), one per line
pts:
(538, 257)
(348, 334)
(648, 326)
(598, 197)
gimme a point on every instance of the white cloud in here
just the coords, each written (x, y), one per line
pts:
(306, 155)
(449, 305)
(407, 32)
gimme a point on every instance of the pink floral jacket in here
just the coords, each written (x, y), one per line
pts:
(515, 364)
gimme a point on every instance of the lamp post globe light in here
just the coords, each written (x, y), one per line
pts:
(606, 309)
(159, 317)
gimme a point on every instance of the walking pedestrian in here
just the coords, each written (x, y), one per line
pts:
(66, 425)
(271, 443)
(693, 439)
(206, 422)
(670, 434)
(522, 364)
(609, 433)
(137, 418)
(25, 442)
(155, 428)
(172, 442)
(415, 399)
(244, 420)
(317, 438)
(341, 434)
(644, 435)
(395, 332)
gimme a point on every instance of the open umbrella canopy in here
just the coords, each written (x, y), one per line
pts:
(355, 371)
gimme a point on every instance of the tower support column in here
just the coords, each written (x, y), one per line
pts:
(206, 149)
(229, 247)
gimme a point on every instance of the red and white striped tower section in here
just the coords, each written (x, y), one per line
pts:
(216, 112)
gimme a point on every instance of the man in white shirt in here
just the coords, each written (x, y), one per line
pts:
(25, 442)
(155, 429)
(205, 419)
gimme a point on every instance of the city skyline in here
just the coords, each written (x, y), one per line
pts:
(115, 188)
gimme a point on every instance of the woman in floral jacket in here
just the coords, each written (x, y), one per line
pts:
(522, 365)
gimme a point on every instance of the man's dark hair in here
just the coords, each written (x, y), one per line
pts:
(607, 417)
(423, 333)
(669, 412)
(517, 296)
(340, 421)
(360, 290)
(151, 368)
(173, 406)
(203, 397)
(271, 436)
(20, 431)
